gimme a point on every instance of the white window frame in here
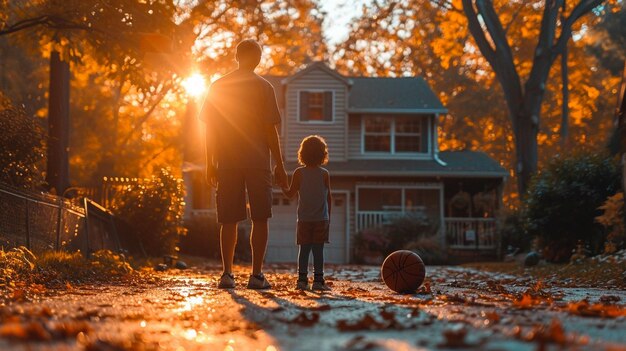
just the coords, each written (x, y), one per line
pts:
(332, 110)
(392, 135)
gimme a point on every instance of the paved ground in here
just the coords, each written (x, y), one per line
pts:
(457, 309)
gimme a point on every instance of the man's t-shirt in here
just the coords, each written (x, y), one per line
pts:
(237, 110)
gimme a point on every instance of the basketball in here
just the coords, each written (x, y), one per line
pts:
(403, 271)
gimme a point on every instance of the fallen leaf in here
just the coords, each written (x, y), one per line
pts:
(366, 323)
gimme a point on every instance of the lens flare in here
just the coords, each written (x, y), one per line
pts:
(195, 85)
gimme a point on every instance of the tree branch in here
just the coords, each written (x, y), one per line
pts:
(501, 57)
(48, 21)
(145, 117)
(477, 32)
(582, 8)
(519, 10)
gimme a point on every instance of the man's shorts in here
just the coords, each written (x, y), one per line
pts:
(231, 194)
(312, 232)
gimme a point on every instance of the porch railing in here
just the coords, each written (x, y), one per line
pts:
(373, 219)
(461, 233)
(471, 233)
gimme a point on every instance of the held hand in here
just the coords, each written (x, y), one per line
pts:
(280, 177)
(211, 175)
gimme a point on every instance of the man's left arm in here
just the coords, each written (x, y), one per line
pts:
(271, 134)
(272, 119)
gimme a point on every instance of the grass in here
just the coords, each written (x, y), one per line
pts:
(609, 273)
(23, 273)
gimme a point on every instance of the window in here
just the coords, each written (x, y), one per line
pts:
(316, 106)
(394, 134)
(422, 201)
(371, 199)
(377, 134)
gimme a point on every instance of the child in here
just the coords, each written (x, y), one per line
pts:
(312, 183)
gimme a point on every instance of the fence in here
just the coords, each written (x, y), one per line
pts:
(43, 222)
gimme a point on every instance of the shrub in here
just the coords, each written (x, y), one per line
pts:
(412, 231)
(202, 238)
(21, 142)
(405, 229)
(513, 231)
(153, 211)
(562, 202)
(612, 219)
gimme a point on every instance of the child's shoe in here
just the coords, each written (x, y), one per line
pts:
(258, 282)
(320, 286)
(302, 285)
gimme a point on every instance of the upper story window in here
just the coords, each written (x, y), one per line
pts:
(316, 106)
(385, 134)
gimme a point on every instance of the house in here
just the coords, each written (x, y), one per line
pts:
(384, 162)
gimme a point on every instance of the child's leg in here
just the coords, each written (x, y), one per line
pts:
(318, 262)
(303, 261)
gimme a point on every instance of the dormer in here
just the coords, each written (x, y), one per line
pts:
(316, 100)
(393, 118)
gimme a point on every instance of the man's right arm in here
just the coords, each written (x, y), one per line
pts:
(206, 112)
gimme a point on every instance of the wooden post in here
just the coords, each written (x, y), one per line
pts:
(621, 128)
(57, 174)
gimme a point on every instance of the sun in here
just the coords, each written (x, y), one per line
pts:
(195, 84)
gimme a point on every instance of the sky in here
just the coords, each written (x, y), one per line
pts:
(338, 17)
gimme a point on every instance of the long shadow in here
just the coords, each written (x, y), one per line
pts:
(335, 319)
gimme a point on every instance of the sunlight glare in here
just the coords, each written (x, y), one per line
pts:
(195, 84)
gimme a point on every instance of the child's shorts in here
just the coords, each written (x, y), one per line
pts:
(312, 232)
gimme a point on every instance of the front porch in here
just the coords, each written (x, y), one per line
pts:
(460, 233)
(461, 211)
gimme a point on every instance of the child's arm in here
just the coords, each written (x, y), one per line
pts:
(329, 198)
(295, 184)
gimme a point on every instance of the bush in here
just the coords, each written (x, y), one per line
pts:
(21, 142)
(413, 231)
(562, 202)
(202, 238)
(612, 219)
(513, 232)
(153, 211)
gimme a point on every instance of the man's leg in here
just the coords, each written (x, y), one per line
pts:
(258, 244)
(228, 240)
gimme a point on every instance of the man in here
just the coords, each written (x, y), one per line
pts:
(241, 115)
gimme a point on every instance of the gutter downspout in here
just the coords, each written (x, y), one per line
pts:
(436, 141)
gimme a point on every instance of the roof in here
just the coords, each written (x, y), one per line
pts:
(458, 164)
(318, 65)
(402, 94)
(374, 94)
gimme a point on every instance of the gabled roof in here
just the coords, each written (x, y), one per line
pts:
(374, 94)
(318, 65)
(397, 95)
(460, 164)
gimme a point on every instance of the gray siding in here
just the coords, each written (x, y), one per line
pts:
(334, 132)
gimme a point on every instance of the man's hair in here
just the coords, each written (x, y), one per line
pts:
(248, 53)
(313, 151)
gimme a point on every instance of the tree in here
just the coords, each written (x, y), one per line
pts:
(430, 38)
(524, 101)
(126, 107)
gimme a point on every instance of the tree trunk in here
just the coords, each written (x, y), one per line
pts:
(526, 146)
(57, 172)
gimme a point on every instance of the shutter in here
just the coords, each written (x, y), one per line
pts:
(425, 132)
(328, 105)
(304, 105)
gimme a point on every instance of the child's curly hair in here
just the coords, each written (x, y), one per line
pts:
(313, 151)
